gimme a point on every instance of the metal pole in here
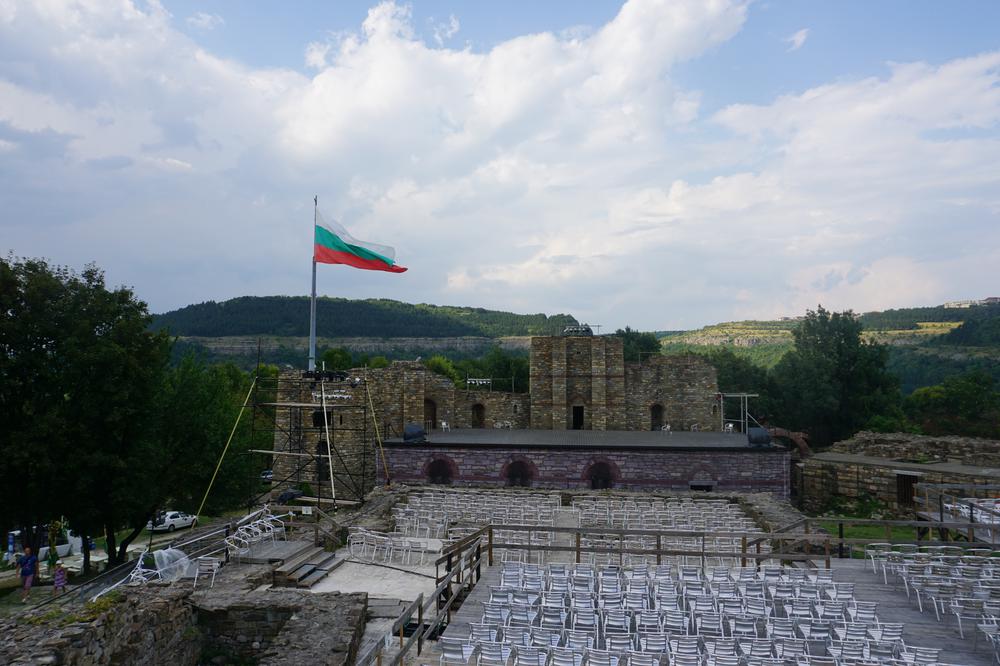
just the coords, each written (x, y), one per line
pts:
(329, 452)
(312, 301)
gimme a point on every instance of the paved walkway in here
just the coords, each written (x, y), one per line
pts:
(380, 581)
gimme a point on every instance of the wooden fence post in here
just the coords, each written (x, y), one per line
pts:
(489, 547)
(827, 549)
(420, 623)
(840, 544)
(659, 547)
(743, 550)
(578, 547)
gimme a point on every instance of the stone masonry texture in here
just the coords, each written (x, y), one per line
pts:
(750, 470)
(582, 375)
(873, 462)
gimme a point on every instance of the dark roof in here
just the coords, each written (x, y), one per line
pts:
(585, 439)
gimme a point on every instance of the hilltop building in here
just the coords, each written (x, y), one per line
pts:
(654, 423)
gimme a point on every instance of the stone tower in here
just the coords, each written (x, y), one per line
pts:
(577, 383)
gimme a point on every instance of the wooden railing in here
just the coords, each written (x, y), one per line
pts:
(937, 499)
(750, 548)
(463, 569)
(949, 532)
(460, 565)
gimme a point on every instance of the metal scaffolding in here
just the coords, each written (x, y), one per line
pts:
(308, 416)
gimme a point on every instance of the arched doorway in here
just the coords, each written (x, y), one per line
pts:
(519, 474)
(656, 417)
(439, 472)
(322, 468)
(478, 416)
(601, 476)
(430, 414)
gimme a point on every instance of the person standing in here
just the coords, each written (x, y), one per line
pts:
(28, 568)
(59, 579)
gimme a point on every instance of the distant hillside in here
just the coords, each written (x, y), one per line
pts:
(763, 342)
(926, 344)
(339, 317)
(911, 318)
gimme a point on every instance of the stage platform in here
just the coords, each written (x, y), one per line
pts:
(584, 439)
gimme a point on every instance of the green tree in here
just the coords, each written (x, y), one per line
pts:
(378, 362)
(94, 425)
(737, 373)
(832, 383)
(198, 407)
(337, 359)
(84, 372)
(966, 404)
(636, 345)
(444, 367)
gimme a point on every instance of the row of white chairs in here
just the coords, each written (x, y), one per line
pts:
(956, 582)
(385, 547)
(267, 527)
(682, 614)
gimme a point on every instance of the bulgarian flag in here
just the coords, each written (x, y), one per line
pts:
(334, 245)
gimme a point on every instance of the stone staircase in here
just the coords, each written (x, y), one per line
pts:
(306, 568)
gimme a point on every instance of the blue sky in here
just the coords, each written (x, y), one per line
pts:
(659, 163)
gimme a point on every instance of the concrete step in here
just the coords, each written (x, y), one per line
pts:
(293, 570)
(313, 578)
(320, 570)
(296, 561)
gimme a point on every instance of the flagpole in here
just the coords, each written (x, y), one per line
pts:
(312, 301)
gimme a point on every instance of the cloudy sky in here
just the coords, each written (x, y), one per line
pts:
(662, 163)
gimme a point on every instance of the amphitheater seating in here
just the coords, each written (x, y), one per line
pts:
(449, 515)
(565, 615)
(958, 584)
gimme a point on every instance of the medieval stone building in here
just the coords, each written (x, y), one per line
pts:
(577, 382)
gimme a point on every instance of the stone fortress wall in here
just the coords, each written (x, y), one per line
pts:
(575, 382)
(886, 466)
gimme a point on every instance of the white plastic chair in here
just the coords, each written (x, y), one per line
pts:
(206, 566)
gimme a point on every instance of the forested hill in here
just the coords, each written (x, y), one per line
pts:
(926, 345)
(339, 317)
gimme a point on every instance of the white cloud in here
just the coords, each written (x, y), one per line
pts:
(204, 21)
(553, 172)
(316, 53)
(797, 39)
(446, 30)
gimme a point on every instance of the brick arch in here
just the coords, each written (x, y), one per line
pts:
(616, 473)
(532, 468)
(703, 472)
(425, 471)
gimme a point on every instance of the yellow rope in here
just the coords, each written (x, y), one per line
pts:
(378, 437)
(228, 442)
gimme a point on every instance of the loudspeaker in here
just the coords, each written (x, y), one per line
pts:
(758, 437)
(413, 433)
